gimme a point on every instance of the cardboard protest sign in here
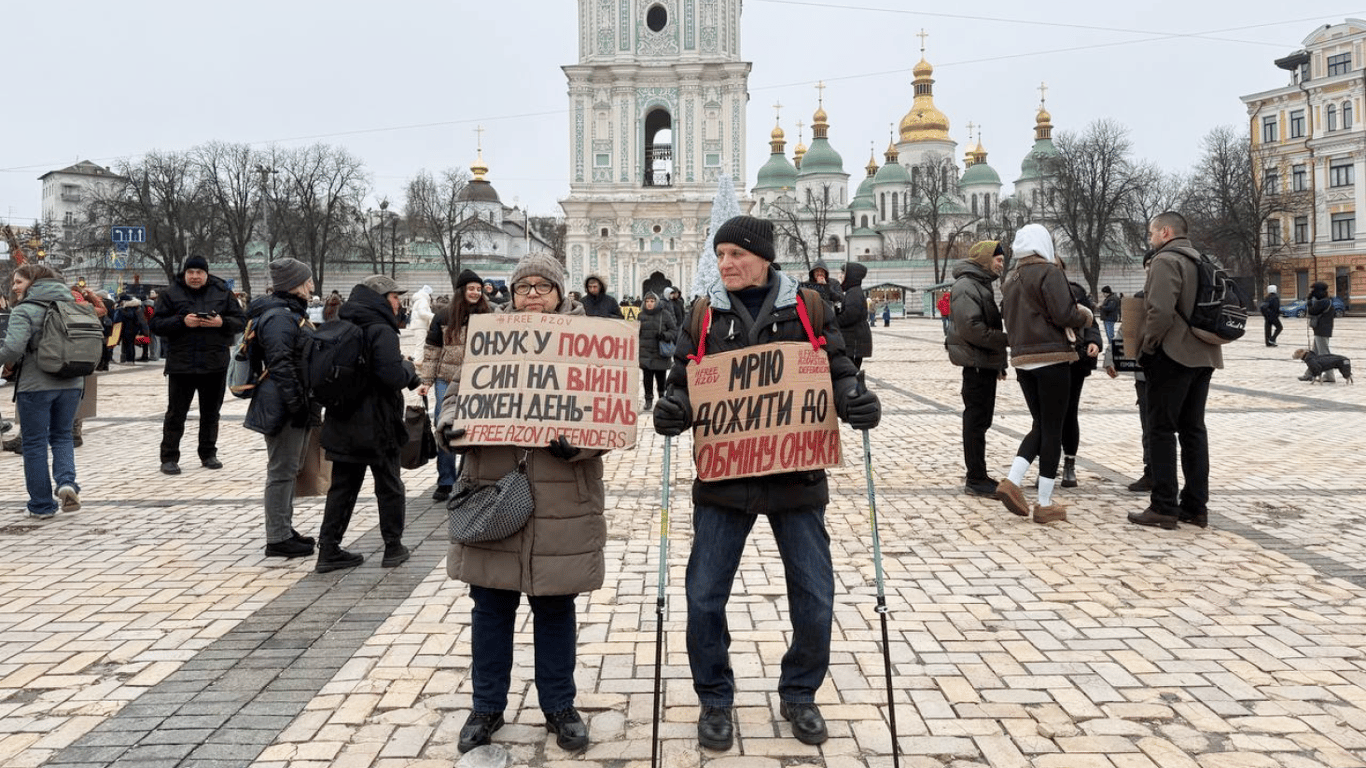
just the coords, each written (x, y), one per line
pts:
(529, 378)
(1132, 316)
(763, 410)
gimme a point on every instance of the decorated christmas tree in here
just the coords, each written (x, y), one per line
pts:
(724, 207)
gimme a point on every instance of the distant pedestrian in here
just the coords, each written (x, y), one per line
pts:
(853, 312)
(597, 302)
(1109, 312)
(1319, 308)
(656, 326)
(886, 315)
(1271, 315)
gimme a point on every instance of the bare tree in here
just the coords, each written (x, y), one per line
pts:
(438, 209)
(805, 223)
(1091, 184)
(232, 188)
(553, 230)
(1163, 192)
(316, 200)
(936, 212)
(1236, 191)
(161, 192)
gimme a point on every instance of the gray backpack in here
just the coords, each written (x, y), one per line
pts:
(70, 340)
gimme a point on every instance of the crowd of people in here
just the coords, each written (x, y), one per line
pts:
(1043, 325)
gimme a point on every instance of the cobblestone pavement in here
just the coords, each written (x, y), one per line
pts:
(149, 630)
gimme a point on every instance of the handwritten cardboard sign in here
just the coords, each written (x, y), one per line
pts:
(763, 410)
(529, 378)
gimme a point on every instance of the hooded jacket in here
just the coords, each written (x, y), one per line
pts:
(282, 332)
(1037, 303)
(375, 427)
(656, 325)
(1319, 308)
(197, 350)
(25, 322)
(560, 550)
(853, 315)
(829, 290)
(600, 304)
(1168, 298)
(977, 338)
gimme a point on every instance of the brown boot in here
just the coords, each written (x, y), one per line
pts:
(1014, 498)
(1053, 513)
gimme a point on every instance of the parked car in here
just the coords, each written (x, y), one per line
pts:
(1296, 308)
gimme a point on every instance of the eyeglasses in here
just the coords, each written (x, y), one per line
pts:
(522, 289)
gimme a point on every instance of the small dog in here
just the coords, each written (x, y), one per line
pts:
(1319, 364)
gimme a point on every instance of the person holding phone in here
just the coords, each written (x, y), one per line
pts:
(199, 317)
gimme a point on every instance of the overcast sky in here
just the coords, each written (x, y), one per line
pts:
(403, 84)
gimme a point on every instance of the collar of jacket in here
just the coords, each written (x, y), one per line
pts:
(787, 292)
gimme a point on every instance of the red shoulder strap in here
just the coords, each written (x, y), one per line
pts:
(816, 341)
(702, 334)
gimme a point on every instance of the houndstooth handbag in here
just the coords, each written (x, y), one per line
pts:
(491, 512)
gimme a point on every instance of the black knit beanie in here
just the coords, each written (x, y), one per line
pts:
(195, 262)
(466, 277)
(754, 235)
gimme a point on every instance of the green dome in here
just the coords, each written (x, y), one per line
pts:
(1029, 167)
(777, 173)
(865, 188)
(892, 173)
(863, 202)
(820, 157)
(980, 173)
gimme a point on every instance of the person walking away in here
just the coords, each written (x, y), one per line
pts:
(552, 560)
(1178, 367)
(673, 301)
(45, 403)
(887, 315)
(1109, 313)
(753, 306)
(443, 354)
(134, 322)
(1319, 308)
(369, 434)
(200, 317)
(597, 302)
(1271, 314)
(1038, 310)
(945, 307)
(977, 344)
(1088, 350)
(280, 409)
(853, 315)
(656, 326)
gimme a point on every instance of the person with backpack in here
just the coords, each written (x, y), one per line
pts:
(1319, 308)
(199, 317)
(280, 407)
(365, 430)
(753, 305)
(45, 402)
(1178, 367)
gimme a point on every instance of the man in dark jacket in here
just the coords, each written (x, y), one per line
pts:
(1319, 308)
(818, 280)
(977, 342)
(1109, 313)
(853, 315)
(199, 317)
(597, 302)
(754, 305)
(371, 433)
(1271, 314)
(279, 407)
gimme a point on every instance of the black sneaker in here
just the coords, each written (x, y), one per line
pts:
(716, 728)
(807, 724)
(289, 548)
(295, 535)
(571, 733)
(479, 729)
(441, 493)
(336, 560)
(170, 468)
(984, 488)
(394, 555)
(1142, 484)
(211, 462)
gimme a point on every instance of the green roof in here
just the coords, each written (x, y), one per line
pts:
(777, 173)
(1029, 167)
(892, 173)
(981, 173)
(820, 157)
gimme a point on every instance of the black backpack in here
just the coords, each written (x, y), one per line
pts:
(1220, 313)
(335, 368)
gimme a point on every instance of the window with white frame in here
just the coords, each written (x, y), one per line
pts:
(1344, 226)
(1341, 173)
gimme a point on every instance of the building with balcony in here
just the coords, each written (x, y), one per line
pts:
(67, 213)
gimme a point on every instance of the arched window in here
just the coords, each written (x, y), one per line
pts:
(986, 205)
(1346, 115)
(1332, 117)
(974, 204)
(896, 213)
(883, 207)
(659, 149)
(864, 221)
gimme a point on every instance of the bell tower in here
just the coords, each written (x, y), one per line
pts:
(656, 117)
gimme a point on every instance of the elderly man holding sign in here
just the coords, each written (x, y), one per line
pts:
(760, 376)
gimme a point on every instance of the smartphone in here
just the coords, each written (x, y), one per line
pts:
(204, 315)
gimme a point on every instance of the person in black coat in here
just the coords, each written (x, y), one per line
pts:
(199, 317)
(853, 314)
(280, 409)
(370, 434)
(1319, 308)
(656, 325)
(1271, 314)
(597, 302)
(134, 321)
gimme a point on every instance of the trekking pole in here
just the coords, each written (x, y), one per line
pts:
(881, 595)
(659, 602)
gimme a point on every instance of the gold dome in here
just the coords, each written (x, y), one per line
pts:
(777, 133)
(478, 168)
(891, 154)
(1043, 125)
(871, 168)
(923, 69)
(777, 140)
(924, 122)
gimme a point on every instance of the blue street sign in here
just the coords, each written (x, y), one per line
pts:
(128, 234)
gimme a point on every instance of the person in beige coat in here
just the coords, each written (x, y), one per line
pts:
(1178, 367)
(558, 555)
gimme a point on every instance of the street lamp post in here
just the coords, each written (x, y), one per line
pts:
(266, 171)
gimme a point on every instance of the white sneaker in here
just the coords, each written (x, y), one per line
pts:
(71, 500)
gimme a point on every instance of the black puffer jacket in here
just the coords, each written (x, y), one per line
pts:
(375, 428)
(600, 304)
(197, 350)
(977, 338)
(1320, 310)
(656, 325)
(1088, 335)
(829, 290)
(282, 331)
(730, 329)
(853, 315)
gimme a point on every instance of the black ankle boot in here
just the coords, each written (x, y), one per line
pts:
(332, 557)
(1069, 472)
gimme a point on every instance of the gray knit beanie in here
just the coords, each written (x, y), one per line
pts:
(540, 264)
(286, 274)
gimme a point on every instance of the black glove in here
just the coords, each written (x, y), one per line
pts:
(448, 434)
(561, 449)
(671, 416)
(862, 410)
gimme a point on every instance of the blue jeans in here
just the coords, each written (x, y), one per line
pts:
(445, 460)
(45, 418)
(554, 635)
(718, 540)
(1109, 331)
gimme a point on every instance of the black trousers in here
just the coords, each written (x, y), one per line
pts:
(1176, 414)
(1046, 391)
(1273, 321)
(129, 344)
(181, 389)
(390, 497)
(1141, 390)
(1071, 424)
(652, 379)
(979, 406)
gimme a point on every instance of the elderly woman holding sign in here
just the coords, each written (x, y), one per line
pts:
(752, 312)
(555, 556)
